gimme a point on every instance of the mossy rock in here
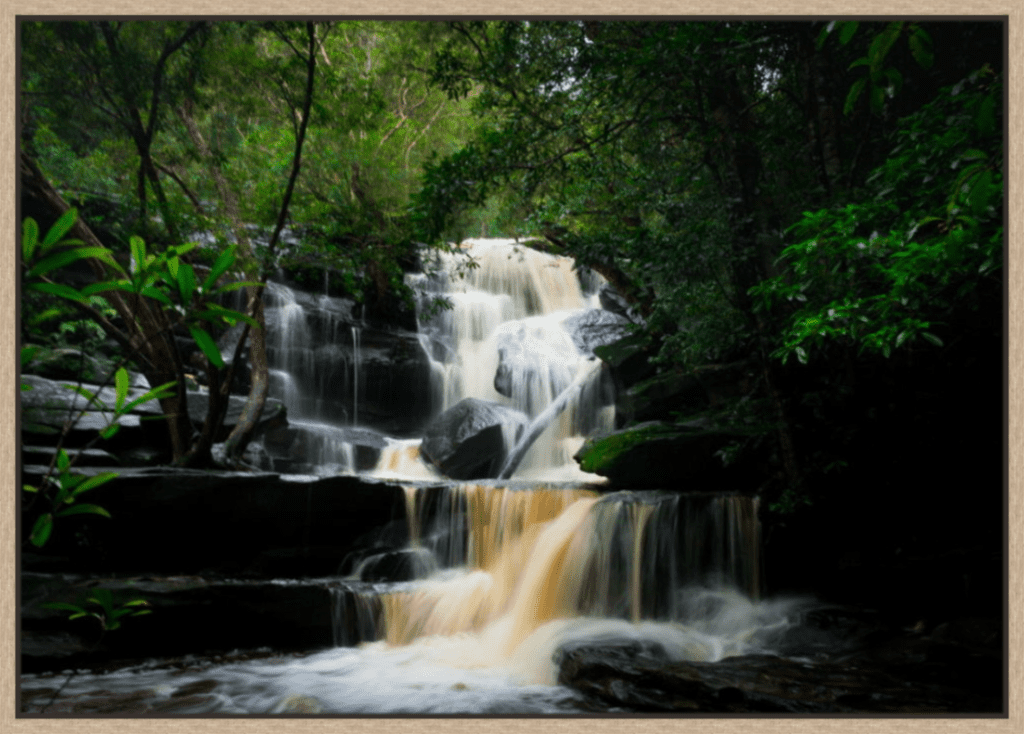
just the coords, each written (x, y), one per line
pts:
(659, 455)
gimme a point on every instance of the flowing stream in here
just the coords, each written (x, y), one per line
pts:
(506, 572)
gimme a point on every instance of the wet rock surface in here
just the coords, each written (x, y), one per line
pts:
(229, 523)
(189, 614)
(467, 440)
(889, 673)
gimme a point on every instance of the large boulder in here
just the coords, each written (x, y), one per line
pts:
(467, 441)
(659, 455)
(595, 328)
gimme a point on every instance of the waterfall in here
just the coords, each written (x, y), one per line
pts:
(503, 340)
(518, 560)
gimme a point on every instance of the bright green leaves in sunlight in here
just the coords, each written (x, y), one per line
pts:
(888, 271)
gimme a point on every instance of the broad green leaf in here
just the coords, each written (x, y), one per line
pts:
(60, 228)
(41, 530)
(29, 238)
(63, 462)
(862, 61)
(29, 488)
(84, 509)
(208, 346)
(932, 338)
(69, 481)
(824, 34)
(224, 261)
(138, 254)
(985, 119)
(136, 603)
(882, 44)
(157, 295)
(95, 481)
(66, 257)
(172, 267)
(186, 283)
(57, 289)
(847, 31)
(121, 388)
(110, 430)
(877, 99)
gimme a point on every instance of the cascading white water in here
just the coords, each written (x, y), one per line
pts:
(503, 340)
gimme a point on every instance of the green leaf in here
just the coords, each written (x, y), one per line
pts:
(862, 61)
(63, 462)
(157, 295)
(921, 48)
(41, 530)
(216, 312)
(847, 31)
(110, 430)
(205, 342)
(985, 119)
(186, 283)
(57, 289)
(932, 338)
(236, 285)
(138, 254)
(224, 261)
(801, 355)
(157, 393)
(84, 509)
(121, 388)
(29, 238)
(65, 257)
(95, 481)
(851, 98)
(882, 44)
(60, 228)
(30, 488)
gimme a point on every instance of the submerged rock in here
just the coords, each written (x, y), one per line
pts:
(467, 441)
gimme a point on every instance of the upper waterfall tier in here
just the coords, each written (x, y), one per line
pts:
(504, 338)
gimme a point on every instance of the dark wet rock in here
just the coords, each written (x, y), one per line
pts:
(611, 300)
(183, 521)
(467, 441)
(405, 564)
(595, 328)
(656, 455)
(78, 457)
(189, 615)
(681, 394)
(301, 446)
(628, 359)
(622, 676)
(274, 414)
